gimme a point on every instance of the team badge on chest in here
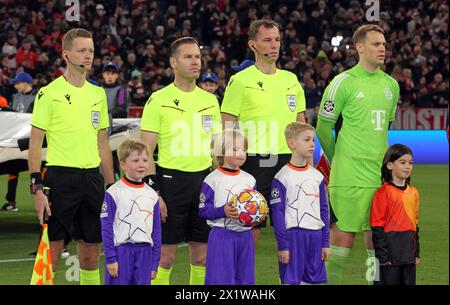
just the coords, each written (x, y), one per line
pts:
(95, 118)
(207, 122)
(388, 94)
(291, 101)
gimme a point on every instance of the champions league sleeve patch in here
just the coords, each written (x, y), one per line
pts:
(275, 194)
(202, 201)
(104, 212)
(327, 110)
(328, 106)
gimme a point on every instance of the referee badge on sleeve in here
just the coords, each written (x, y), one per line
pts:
(207, 122)
(292, 101)
(95, 117)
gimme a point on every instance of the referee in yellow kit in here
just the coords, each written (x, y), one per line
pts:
(181, 118)
(73, 114)
(264, 100)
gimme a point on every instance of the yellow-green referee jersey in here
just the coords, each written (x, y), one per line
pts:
(71, 117)
(264, 104)
(184, 122)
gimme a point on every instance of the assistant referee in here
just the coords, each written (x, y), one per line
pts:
(73, 114)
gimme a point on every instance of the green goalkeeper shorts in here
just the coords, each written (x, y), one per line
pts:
(351, 207)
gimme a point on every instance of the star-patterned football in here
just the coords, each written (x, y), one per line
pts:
(252, 207)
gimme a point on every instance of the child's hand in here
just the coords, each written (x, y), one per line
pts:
(231, 212)
(113, 269)
(154, 275)
(417, 260)
(325, 254)
(388, 263)
(283, 256)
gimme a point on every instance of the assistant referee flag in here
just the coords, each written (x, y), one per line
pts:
(43, 271)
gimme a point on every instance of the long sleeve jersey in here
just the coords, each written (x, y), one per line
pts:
(130, 214)
(394, 218)
(298, 200)
(218, 189)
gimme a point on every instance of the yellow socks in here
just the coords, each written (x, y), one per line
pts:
(89, 277)
(197, 276)
(162, 277)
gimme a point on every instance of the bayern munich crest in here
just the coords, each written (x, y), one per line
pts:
(388, 93)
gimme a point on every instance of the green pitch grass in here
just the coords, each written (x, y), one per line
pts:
(19, 235)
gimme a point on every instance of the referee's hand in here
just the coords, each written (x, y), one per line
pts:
(163, 209)
(40, 205)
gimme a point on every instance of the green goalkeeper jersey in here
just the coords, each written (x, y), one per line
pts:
(366, 102)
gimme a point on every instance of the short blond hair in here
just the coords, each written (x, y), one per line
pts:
(68, 38)
(294, 129)
(361, 33)
(128, 146)
(223, 140)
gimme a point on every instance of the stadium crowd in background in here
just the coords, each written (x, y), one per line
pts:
(316, 41)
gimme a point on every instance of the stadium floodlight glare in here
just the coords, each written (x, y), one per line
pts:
(336, 41)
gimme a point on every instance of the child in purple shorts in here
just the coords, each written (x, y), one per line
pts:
(300, 212)
(230, 257)
(131, 223)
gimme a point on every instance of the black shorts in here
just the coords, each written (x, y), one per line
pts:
(264, 169)
(76, 197)
(181, 191)
(13, 166)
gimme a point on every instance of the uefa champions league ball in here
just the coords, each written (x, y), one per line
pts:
(252, 207)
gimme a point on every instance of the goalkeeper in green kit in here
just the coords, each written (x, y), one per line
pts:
(359, 104)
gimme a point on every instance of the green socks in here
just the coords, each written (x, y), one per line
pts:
(197, 276)
(89, 277)
(335, 264)
(162, 277)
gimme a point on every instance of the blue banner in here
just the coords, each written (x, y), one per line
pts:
(428, 146)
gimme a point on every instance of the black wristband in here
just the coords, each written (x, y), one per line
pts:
(36, 182)
(152, 181)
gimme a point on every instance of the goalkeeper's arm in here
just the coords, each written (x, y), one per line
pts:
(324, 132)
